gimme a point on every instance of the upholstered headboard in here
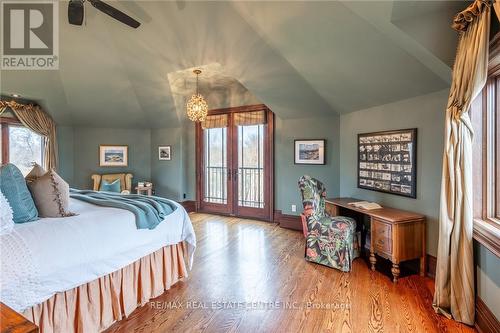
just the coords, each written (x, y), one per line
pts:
(125, 180)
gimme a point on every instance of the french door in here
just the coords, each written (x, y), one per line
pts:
(235, 162)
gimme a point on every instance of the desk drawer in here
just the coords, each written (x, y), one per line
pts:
(382, 236)
(331, 209)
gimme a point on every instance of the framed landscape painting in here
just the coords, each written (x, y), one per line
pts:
(310, 152)
(113, 156)
(387, 162)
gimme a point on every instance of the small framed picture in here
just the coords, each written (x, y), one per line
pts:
(310, 151)
(164, 153)
(113, 155)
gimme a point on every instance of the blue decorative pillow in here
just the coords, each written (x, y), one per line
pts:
(115, 186)
(13, 187)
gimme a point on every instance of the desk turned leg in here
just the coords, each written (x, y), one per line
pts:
(395, 272)
(373, 260)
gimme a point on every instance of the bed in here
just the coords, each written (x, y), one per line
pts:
(83, 273)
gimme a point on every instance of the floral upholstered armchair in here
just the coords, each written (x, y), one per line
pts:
(330, 240)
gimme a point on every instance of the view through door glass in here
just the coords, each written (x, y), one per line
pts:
(215, 165)
(251, 166)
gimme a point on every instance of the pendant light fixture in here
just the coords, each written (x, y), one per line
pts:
(197, 107)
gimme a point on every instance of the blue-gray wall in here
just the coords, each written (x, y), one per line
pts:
(488, 278)
(287, 173)
(168, 176)
(79, 153)
(425, 113)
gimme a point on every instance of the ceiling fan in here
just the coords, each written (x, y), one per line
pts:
(76, 12)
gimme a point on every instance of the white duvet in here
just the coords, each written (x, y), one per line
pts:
(41, 258)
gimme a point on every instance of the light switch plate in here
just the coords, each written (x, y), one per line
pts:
(294, 208)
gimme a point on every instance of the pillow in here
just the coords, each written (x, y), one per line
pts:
(51, 195)
(115, 186)
(35, 173)
(13, 186)
(6, 218)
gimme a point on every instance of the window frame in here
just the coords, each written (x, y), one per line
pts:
(5, 124)
(485, 117)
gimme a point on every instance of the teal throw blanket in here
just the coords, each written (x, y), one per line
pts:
(149, 211)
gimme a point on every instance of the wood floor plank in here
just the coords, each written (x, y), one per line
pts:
(251, 276)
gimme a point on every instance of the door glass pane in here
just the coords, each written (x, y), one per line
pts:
(215, 156)
(25, 148)
(251, 166)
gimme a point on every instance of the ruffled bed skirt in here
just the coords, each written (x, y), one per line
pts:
(96, 305)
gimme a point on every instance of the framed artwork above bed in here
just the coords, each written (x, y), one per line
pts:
(387, 162)
(113, 155)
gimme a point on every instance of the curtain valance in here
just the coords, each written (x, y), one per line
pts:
(215, 121)
(34, 118)
(250, 118)
(467, 16)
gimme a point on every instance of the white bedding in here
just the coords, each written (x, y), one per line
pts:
(71, 251)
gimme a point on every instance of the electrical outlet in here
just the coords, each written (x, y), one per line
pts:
(294, 208)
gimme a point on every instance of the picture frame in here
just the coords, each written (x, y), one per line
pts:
(165, 153)
(387, 162)
(113, 155)
(310, 151)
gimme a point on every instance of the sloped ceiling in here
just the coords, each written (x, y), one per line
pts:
(299, 58)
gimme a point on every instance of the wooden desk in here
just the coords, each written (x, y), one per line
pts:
(13, 322)
(396, 234)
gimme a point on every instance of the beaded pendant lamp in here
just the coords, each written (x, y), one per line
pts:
(197, 107)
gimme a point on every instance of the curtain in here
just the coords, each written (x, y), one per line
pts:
(34, 118)
(217, 121)
(496, 5)
(250, 118)
(454, 284)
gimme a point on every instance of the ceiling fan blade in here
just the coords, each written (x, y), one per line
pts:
(75, 12)
(115, 13)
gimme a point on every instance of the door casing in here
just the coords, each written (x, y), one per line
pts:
(232, 208)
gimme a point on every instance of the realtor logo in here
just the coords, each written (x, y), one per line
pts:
(30, 35)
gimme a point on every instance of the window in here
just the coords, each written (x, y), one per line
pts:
(20, 145)
(485, 117)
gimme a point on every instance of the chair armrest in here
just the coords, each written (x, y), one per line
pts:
(128, 182)
(97, 181)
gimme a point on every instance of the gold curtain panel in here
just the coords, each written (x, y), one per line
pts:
(34, 118)
(454, 284)
(217, 121)
(250, 118)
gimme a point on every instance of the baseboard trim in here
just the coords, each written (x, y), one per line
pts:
(288, 221)
(486, 322)
(189, 205)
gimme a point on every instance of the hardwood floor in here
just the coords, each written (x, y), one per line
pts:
(240, 260)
